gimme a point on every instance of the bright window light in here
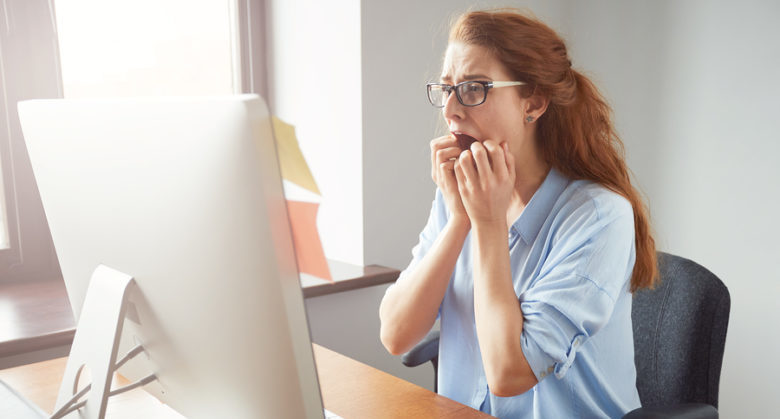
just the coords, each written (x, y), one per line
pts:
(146, 47)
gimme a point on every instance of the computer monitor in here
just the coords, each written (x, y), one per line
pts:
(184, 195)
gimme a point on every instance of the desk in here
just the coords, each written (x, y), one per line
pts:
(349, 388)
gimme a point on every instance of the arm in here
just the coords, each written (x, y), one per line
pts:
(497, 314)
(499, 320)
(409, 308)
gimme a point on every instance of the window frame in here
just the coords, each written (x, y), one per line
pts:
(30, 255)
(251, 54)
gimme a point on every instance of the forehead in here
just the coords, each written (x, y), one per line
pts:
(464, 61)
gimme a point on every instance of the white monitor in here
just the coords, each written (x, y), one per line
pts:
(184, 195)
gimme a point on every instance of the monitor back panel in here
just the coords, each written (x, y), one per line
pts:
(184, 195)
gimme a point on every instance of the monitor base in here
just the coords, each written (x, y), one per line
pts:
(95, 345)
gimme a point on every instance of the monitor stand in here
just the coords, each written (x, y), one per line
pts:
(95, 347)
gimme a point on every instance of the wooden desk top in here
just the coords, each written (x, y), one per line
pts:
(355, 390)
(349, 388)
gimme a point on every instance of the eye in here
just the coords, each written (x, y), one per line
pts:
(472, 88)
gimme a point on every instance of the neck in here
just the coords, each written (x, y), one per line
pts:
(530, 172)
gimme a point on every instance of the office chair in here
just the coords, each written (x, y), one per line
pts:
(679, 337)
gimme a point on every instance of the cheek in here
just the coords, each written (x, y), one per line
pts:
(516, 125)
(503, 125)
(503, 119)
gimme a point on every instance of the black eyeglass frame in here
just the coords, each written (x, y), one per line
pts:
(486, 86)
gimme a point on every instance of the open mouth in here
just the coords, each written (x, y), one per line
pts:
(464, 140)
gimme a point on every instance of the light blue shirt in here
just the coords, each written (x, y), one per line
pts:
(571, 254)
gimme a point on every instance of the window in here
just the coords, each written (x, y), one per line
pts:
(28, 70)
(147, 47)
(108, 48)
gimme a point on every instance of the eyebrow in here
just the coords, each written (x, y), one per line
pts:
(467, 77)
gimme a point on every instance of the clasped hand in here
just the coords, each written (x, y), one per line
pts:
(477, 183)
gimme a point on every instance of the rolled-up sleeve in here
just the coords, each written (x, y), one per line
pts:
(436, 221)
(574, 295)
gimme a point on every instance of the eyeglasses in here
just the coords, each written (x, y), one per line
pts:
(469, 93)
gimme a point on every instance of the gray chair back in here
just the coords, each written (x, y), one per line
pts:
(679, 334)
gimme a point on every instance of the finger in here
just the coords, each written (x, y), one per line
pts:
(445, 154)
(466, 163)
(481, 159)
(447, 176)
(443, 142)
(460, 177)
(447, 166)
(447, 172)
(496, 154)
(437, 144)
(510, 162)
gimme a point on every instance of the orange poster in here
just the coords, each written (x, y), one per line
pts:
(308, 248)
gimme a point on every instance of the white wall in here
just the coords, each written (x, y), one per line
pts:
(315, 77)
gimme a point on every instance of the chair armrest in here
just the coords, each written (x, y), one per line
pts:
(426, 350)
(679, 411)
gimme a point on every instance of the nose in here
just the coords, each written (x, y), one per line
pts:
(452, 108)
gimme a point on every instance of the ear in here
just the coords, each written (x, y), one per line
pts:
(536, 106)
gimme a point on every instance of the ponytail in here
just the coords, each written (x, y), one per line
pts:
(578, 139)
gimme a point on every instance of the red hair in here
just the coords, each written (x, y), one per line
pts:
(575, 134)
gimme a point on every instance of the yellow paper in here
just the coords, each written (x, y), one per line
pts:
(293, 165)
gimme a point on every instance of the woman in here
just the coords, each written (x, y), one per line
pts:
(536, 238)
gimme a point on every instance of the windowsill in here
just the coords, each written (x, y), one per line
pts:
(36, 315)
(347, 277)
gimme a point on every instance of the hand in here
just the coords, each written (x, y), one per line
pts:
(486, 177)
(444, 153)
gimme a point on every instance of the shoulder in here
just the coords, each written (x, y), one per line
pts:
(585, 208)
(585, 195)
(591, 235)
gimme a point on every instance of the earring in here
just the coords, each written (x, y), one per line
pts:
(529, 119)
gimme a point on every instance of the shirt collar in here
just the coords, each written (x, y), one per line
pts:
(538, 209)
